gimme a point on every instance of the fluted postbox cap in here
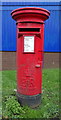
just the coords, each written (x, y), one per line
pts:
(30, 14)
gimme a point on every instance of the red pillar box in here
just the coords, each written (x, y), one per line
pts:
(29, 57)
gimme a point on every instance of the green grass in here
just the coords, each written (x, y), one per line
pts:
(49, 107)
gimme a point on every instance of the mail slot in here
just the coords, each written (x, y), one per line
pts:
(29, 55)
(29, 29)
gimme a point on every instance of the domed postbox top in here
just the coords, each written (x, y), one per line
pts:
(30, 14)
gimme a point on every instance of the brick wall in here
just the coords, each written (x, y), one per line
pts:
(8, 60)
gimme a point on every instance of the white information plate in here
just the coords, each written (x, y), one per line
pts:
(28, 43)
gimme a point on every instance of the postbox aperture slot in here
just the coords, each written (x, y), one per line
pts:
(28, 44)
(29, 29)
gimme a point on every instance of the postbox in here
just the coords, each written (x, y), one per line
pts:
(29, 54)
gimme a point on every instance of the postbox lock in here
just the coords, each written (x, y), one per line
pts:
(38, 66)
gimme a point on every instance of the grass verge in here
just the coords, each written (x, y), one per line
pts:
(49, 107)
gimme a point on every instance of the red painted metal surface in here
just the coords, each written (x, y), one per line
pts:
(30, 23)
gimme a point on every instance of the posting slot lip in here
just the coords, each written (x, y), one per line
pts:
(28, 33)
(33, 31)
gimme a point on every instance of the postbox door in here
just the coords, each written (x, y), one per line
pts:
(29, 64)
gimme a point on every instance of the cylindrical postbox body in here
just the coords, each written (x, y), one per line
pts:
(29, 57)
